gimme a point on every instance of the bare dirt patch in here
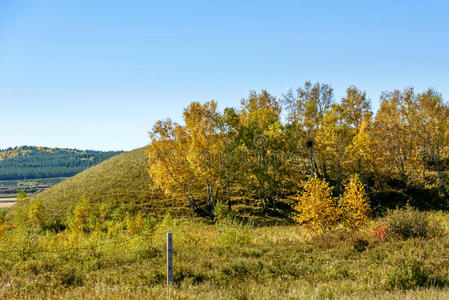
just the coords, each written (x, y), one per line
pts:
(7, 202)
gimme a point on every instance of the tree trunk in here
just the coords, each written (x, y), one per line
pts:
(193, 203)
(228, 188)
(210, 196)
(313, 165)
(436, 160)
(340, 178)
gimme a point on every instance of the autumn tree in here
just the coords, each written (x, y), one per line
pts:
(204, 144)
(332, 139)
(316, 208)
(229, 128)
(258, 152)
(260, 115)
(357, 116)
(395, 139)
(432, 127)
(354, 204)
(306, 108)
(168, 162)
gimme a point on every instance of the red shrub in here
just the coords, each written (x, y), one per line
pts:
(380, 233)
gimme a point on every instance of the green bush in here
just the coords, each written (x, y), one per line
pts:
(2, 216)
(411, 274)
(408, 223)
(222, 212)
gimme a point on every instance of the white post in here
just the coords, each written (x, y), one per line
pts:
(169, 258)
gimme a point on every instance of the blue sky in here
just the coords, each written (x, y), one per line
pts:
(97, 74)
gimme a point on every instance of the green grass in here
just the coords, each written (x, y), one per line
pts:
(122, 180)
(226, 260)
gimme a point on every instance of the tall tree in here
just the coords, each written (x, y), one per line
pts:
(394, 136)
(201, 124)
(260, 114)
(432, 126)
(306, 108)
(168, 162)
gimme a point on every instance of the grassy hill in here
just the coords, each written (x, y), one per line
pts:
(122, 180)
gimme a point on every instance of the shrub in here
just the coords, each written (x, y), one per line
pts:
(222, 212)
(409, 223)
(2, 216)
(316, 207)
(360, 244)
(3, 225)
(354, 204)
(21, 209)
(231, 233)
(411, 274)
(36, 214)
(380, 233)
(81, 217)
(134, 224)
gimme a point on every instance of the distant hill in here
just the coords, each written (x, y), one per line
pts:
(30, 162)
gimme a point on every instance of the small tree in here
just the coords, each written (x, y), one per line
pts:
(21, 210)
(316, 207)
(36, 214)
(80, 218)
(354, 204)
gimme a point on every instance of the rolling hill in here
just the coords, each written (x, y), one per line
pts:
(122, 180)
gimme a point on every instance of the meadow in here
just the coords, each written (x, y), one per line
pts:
(123, 257)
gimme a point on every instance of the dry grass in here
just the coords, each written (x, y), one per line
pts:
(226, 260)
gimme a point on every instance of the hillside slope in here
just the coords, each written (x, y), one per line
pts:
(122, 180)
(30, 162)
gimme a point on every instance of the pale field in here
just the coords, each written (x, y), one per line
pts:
(7, 202)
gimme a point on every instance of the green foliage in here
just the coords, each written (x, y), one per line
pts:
(224, 260)
(221, 212)
(36, 215)
(231, 233)
(41, 162)
(82, 218)
(408, 223)
(2, 216)
(413, 273)
(21, 210)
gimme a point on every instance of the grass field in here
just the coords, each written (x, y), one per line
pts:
(125, 259)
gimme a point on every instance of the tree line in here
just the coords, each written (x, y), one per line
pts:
(265, 148)
(29, 162)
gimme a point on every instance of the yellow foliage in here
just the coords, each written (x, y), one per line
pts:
(354, 204)
(36, 214)
(321, 212)
(316, 207)
(80, 219)
(135, 224)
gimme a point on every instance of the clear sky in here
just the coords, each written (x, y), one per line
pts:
(97, 74)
